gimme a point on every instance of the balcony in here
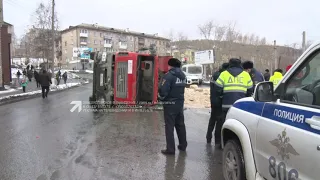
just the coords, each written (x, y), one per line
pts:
(107, 45)
(123, 45)
(141, 41)
(83, 43)
(84, 35)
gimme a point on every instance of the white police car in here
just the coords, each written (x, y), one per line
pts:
(276, 133)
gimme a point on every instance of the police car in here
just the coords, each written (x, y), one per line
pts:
(276, 133)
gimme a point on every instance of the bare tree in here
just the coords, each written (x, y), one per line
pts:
(40, 34)
(252, 38)
(206, 29)
(171, 35)
(257, 40)
(263, 41)
(231, 34)
(220, 32)
(240, 38)
(182, 37)
(245, 39)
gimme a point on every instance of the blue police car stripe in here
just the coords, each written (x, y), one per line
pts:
(286, 115)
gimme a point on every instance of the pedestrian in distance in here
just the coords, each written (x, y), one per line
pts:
(37, 78)
(216, 108)
(45, 81)
(232, 85)
(24, 83)
(29, 74)
(266, 75)
(58, 77)
(18, 75)
(171, 93)
(24, 72)
(65, 77)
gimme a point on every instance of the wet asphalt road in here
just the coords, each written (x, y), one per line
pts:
(42, 140)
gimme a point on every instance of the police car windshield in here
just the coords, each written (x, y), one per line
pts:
(194, 70)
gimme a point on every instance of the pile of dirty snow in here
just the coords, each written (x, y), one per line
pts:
(70, 74)
(8, 90)
(196, 97)
(52, 88)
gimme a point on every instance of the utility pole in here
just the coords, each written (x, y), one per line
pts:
(303, 41)
(1, 67)
(53, 38)
(275, 54)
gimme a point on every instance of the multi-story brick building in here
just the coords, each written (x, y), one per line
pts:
(5, 62)
(101, 38)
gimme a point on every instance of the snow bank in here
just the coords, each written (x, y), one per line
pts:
(7, 91)
(52, 88)
(89, 71)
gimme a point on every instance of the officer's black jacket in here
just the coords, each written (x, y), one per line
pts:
(214, 77)
(172, 87)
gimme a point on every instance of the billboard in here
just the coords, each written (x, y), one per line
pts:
(204, 57)
(82, 53)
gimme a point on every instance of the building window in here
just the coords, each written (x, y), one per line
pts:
(101, 34)
(95, 33)
(65, 43)
(108, 41)
(83, 31)
(95, 49)
(94, 42)
(101, 42)
(83, 39)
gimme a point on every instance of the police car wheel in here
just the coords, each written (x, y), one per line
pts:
(233, 161)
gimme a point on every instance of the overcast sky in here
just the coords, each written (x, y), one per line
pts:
(281, 20)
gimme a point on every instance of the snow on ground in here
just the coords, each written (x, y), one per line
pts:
(89, 71)
(14, 72)
(7, 91)
(52, 88)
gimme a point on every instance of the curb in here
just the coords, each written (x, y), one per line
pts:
(20, 98)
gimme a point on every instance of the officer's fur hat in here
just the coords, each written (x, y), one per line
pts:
(278, 70)
(173, 62)
(225, 66)
(234, 62)
(247, 65)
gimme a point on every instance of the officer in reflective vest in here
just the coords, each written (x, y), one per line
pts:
(233, 84)
(216, 108)
(277, 77)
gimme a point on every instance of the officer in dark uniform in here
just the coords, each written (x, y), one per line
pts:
(232, 85)
(256, 76)
(216, 108)
(171, 93)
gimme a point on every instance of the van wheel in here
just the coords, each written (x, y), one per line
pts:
(233, 161)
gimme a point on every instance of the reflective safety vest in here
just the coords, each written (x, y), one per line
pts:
(276, 78)
(234, 88)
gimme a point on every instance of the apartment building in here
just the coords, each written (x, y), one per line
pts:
(100, 38)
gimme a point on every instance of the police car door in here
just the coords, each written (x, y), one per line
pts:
(288, 134)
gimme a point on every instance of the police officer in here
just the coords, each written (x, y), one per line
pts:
(216, 108)
(171, 92)
(232, 84)
(256, 76)
(277, 77)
